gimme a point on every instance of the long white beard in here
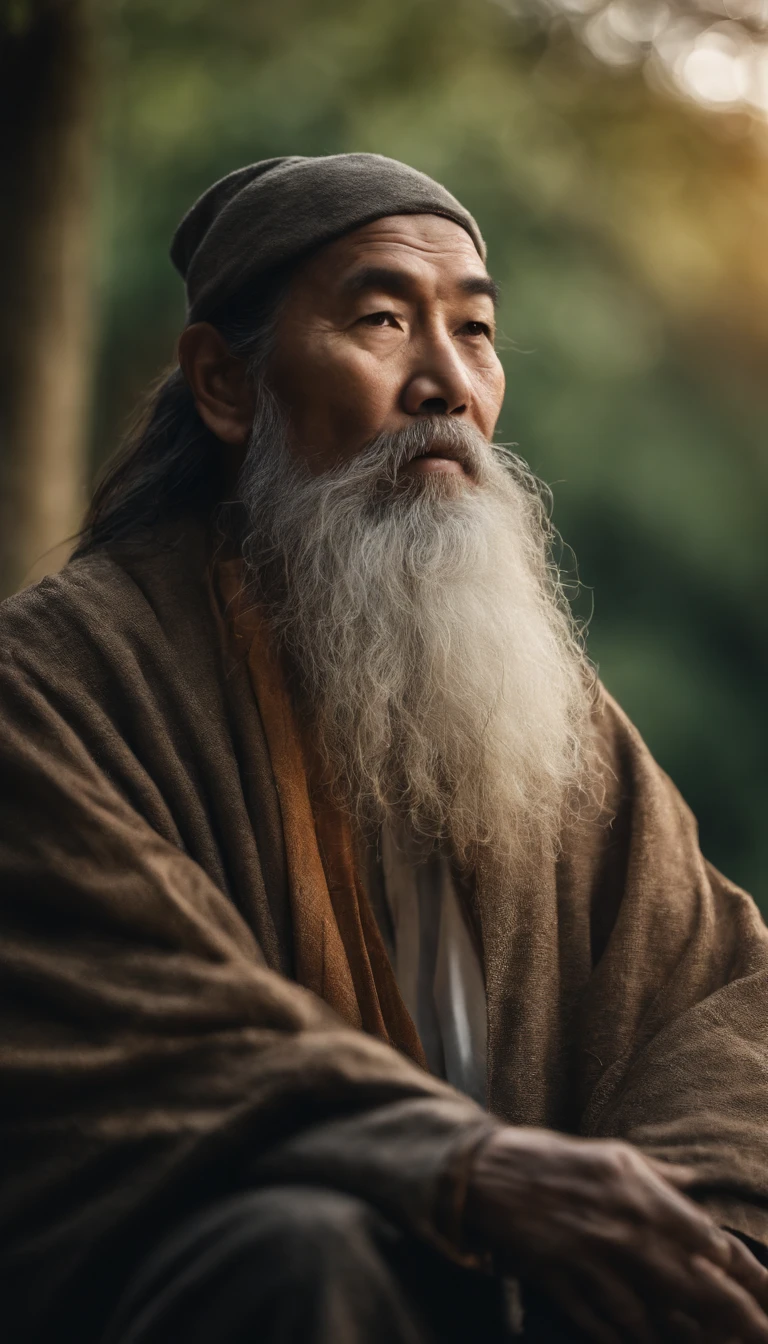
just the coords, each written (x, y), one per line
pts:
(438, 663)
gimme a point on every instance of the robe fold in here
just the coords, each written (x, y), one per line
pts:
(156, 1048)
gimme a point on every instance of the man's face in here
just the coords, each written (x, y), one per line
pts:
(441, 677)
(390, 323)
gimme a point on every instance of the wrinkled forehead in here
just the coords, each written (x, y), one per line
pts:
(427, 252)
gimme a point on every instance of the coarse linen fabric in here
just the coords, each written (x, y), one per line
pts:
(259, 218)
(156, 1054)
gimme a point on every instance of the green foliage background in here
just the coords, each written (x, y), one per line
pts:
(628, 232)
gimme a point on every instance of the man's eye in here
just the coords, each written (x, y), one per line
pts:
(477, 329)
(379, 319)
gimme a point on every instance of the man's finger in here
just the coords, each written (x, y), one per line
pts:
(718, 1300)
(747, 1270)
(615, 1299)
(689, 1224)
(722, 1247)
(700, 1289)
(679, 1174)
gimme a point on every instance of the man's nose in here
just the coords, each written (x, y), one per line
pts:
(439, 387)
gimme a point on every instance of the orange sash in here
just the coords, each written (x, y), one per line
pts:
(338, 950)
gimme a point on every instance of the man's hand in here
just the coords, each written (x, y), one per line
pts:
(605, 1233)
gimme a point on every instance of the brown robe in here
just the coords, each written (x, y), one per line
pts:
(155, 1050)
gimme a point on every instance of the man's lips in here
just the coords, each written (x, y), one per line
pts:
(430, 462)
(437, 459)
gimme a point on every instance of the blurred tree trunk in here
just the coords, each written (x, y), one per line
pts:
(47, 114)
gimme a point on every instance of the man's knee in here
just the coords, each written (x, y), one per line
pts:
(250, 1256)
(303, 1227)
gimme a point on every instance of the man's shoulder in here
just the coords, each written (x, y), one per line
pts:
(106, 608)
(79, 584)
(88, 601)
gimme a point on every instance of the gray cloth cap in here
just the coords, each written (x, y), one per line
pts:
(272, 212)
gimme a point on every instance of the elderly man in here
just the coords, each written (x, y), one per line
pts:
(362, 977)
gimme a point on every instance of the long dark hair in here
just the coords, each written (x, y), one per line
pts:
(165, 465)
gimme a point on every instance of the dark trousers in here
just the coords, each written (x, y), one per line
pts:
(297, 1265)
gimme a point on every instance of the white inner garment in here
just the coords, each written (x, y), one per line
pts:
(436, 965)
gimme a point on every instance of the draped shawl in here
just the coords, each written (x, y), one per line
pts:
(157, 1049)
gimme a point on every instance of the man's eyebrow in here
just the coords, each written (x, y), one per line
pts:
(481, 284)
(390, 280)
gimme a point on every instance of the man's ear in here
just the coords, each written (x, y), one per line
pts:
(218, 381)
